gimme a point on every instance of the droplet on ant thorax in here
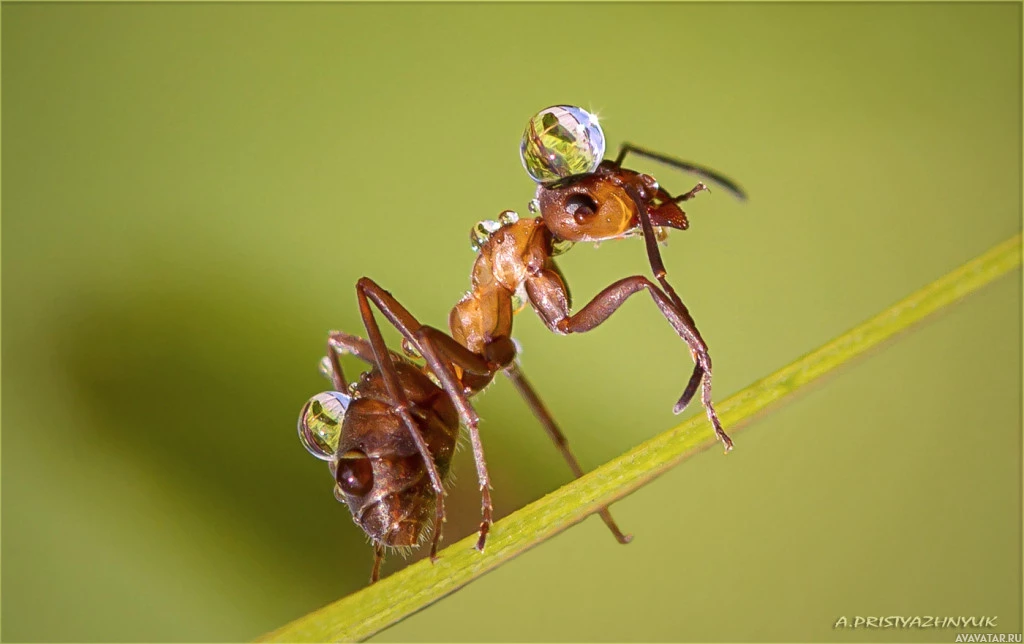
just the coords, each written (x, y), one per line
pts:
(481, 232)
(508, 217)
(561, 141)
(561, 246)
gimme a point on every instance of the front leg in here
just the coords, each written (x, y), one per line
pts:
(548, 295)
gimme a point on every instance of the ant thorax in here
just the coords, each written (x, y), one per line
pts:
(508, 251)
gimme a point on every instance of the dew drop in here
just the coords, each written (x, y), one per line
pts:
(481, 232)
(320, 423)
(534, 206)
(508, 217)
(326, 368)
(560, 247)
(519, 299)
(561, 141)
(409, 350)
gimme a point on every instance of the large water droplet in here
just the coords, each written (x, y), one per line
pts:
(320, 423)
(481, 232)
(561, 141)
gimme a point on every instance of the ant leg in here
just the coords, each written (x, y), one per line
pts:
(434, 345)
(340, 342)
(401, 407)
(547, 293)
(378, 559)
(518, 379)
(469, 417)
(337, 375)
(658, 267)
(691, 386)
(686, 196)
(685, 166)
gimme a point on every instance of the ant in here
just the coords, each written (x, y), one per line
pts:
(390, 436)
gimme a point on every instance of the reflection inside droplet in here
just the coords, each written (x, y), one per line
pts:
(561, 141)
(320, 423)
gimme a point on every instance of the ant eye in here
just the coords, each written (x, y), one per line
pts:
(561, 141)
(320, 423)
(355, 474)
(581, 207)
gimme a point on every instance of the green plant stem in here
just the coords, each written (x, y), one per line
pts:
(374, 608)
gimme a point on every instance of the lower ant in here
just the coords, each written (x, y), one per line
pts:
(390, 436)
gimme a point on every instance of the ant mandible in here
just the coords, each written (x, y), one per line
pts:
(390, 436)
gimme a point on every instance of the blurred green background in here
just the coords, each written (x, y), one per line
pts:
(191, 191)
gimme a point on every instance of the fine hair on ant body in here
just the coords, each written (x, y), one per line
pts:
(390, 436)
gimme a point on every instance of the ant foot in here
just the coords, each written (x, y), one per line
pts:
(485, 527)
(727, 442)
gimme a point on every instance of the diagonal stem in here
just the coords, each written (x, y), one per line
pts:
(376, 607)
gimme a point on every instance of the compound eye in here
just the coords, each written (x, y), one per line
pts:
(561, 141)
(581, 207)
(354, 474)
(320, 423)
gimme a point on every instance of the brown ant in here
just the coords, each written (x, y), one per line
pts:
(390, 436)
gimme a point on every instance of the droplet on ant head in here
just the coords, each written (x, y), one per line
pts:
(534, 206)
(508, 217)
(561, 141)
(650, 183)
(320, 423)
(481, 232)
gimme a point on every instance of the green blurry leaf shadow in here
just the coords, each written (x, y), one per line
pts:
(204, 385)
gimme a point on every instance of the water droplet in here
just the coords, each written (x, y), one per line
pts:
(534, 206)
(661, 234)
(326, 368)
(561, 141)
(320, 423)
(409, 350)
(560, 246)
(481, 232)
(519, 298)
(352, 386)
(508, 217)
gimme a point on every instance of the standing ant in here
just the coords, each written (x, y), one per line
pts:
(390, 436)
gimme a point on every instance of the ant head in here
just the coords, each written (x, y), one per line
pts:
(589, 209)
(380, 474)
(377, 468)
(605, 205)
(376, 487)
